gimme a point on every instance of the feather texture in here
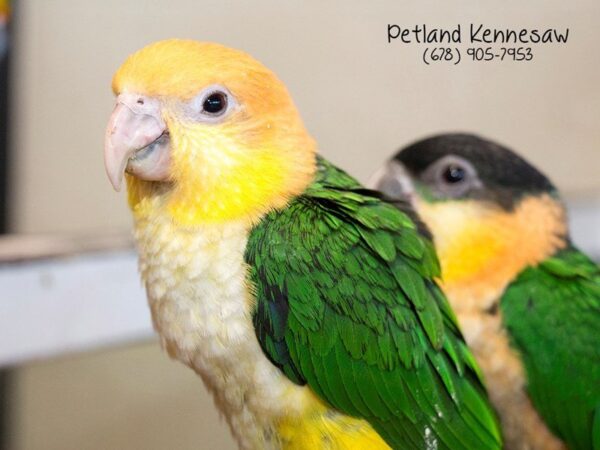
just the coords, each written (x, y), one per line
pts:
(552, 313)
(346, 303)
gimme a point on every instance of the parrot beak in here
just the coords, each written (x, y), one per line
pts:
(394, 180)
(136, 141)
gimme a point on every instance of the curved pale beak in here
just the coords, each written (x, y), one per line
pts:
(137, 141)
(393, 180)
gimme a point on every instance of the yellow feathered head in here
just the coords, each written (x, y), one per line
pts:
(206, 133)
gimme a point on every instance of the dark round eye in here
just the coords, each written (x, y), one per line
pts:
(215, 103)
(454, 174)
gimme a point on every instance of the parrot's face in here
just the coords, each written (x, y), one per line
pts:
(206, 133)
(485, 206)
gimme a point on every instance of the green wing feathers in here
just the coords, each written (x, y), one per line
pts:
(552, 313)
(346, 303)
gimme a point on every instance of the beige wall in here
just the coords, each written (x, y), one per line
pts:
(131, 398)
(360, 97)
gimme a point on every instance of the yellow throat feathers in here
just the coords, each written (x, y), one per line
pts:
(482, 247)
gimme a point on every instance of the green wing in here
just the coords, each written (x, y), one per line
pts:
(347, 305)
(552, 313)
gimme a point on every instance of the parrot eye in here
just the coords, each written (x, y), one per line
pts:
(451, 177)
(215, 104)
(454, 174)
(212, 105)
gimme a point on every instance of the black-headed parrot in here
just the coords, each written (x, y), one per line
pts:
(526, 298)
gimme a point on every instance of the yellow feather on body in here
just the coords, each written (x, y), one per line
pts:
(328, 430)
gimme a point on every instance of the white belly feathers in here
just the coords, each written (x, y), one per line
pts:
(201, 307)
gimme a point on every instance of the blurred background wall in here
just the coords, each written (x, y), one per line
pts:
(360, 97)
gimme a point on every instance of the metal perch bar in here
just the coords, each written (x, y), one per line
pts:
(68, 294)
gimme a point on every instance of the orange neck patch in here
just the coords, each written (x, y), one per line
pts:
(482, 247)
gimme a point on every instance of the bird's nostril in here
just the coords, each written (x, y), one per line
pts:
(140, 101)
